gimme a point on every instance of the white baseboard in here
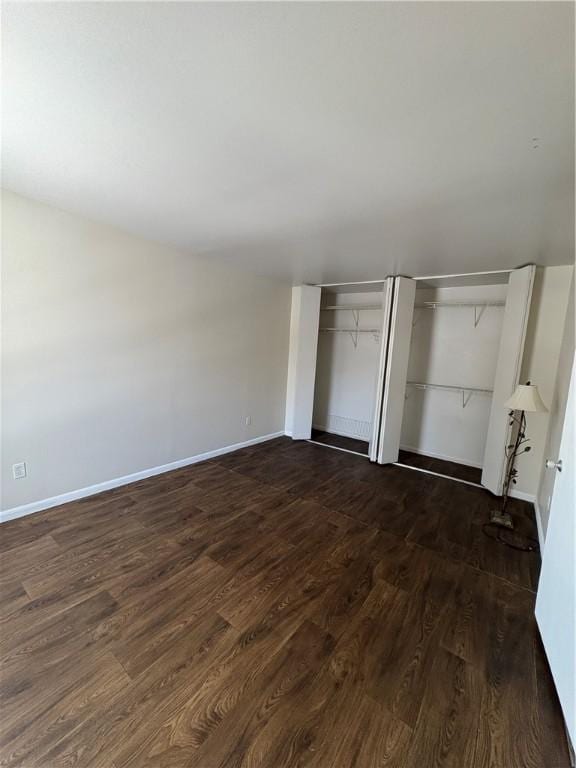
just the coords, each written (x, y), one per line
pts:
(532, 499)
(340, 432)
(442, 456)
(91, 490)
(514, 494)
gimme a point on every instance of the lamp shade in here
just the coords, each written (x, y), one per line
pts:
(526, 398)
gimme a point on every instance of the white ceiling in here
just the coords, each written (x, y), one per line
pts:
(308, 141)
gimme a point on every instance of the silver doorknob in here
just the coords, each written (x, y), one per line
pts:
(551, 464)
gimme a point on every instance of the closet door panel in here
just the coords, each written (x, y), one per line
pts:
(304, 323)
(396, 369)
(507, 374)
(387, 303)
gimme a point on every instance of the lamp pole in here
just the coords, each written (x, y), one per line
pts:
(501, 516)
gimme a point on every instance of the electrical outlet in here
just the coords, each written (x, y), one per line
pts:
(248, 420)
(19, 470)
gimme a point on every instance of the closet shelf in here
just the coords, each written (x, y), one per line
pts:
(479, 307)
(351, 330)
(438, 304)
(354, 332)
(466, 392)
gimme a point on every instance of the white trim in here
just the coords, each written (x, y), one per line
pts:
(514, 494)
(466, 274)
(436, 474)
(81, 493)
(541, 537)
(337, 448)
(341, 433)
(357, 282)
(442, 456)
(423, 277)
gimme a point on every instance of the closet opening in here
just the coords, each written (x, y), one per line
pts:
(456, 333)
(414, 371)
(347, 365)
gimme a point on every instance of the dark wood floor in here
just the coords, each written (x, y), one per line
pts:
(441, 466)
(339, 441)
(285, 605)
(429, 463)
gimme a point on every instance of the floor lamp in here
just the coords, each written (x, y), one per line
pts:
(526, 399)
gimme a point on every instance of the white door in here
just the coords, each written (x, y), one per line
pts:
(304, 324)
(398, 333)
(387, 303)
(507, 374)
(556, 599)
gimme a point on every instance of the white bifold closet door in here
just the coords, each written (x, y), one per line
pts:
(510, 354)
(398, 309)
(304, 324)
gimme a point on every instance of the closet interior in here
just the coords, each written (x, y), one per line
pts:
(454, 344)
(347, 366)
(455, 341)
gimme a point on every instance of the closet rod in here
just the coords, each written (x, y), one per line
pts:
(436, 304)
(351, 307)
(466, 392)
(422, 385)
(351, 330)
(358, 282)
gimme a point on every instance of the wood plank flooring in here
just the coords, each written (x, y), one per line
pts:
(440, 466)
(339, 441)
(284, 605)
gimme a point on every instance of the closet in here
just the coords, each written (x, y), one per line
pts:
(347, 364)
(456, 330)
(411, 370)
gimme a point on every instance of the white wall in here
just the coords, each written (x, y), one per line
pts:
(447, 348)
(120, 354)
(547, 363)
(345, 374)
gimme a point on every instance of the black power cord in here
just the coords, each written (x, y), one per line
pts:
(527, 543)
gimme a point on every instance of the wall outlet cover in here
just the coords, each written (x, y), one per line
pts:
(19, 470)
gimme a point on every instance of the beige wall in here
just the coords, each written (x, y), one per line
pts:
(544, 334)
(557, 409)
(120, 355)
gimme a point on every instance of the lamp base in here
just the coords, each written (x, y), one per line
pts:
(502, 519)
